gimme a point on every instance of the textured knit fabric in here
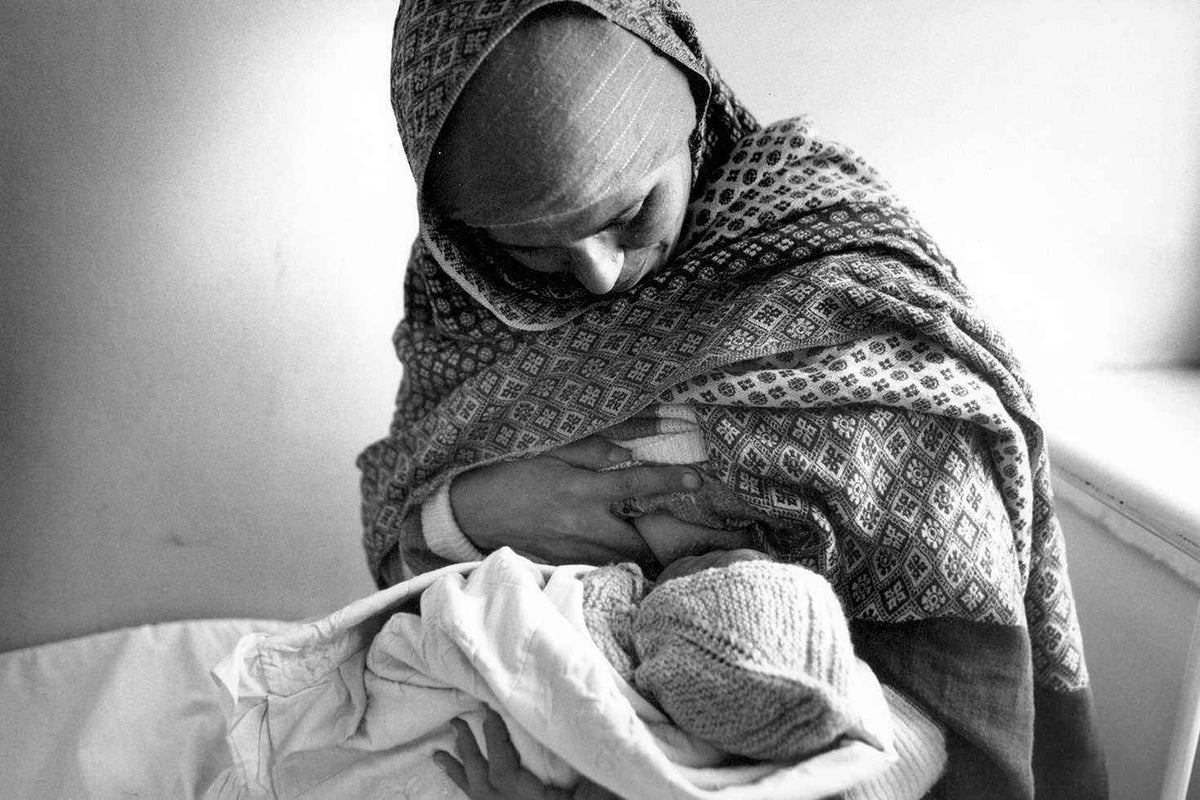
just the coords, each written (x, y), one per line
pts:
(612, 597)
(844, 380)
(442, 533)
(754, 658)
(547, 93)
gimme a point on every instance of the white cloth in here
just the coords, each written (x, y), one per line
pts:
(129, 713)
(920, 747)
(366, 696)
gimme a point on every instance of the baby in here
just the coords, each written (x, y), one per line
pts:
(751, 656)
(748, 655)
(754, 657)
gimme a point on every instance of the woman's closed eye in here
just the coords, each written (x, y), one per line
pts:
(641, 224)
(634, 227)
(629, 215)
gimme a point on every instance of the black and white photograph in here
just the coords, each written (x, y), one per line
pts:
(600, 399)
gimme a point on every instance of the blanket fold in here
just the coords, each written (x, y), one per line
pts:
(356, 703)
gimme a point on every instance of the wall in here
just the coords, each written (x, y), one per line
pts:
(205, 221)
(1052, 148)
(204, 213)
(1138, 619)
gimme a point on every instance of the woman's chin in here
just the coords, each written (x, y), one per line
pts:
(625, 283)
(652, 264)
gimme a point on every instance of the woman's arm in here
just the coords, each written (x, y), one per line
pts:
(555, 508)
(558, 507)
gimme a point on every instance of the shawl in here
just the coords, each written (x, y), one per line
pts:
(844, 379)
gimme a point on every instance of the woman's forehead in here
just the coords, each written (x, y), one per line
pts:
(570, 227)
(558, 114)
(590, 218)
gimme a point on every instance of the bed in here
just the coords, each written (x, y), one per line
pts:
(353, 704)
(129, 713)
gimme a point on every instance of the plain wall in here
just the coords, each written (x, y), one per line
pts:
(205, 212)
(1052, 147)
(1137, 617)
(206, 217)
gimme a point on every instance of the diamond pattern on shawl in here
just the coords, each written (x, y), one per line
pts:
(843, 379)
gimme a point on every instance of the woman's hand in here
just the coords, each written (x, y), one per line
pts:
(503, 778)
(557, 506)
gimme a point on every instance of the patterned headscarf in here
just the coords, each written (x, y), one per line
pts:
(566, 109)
(437, 47)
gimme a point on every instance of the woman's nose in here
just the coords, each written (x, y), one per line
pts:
(596, 263)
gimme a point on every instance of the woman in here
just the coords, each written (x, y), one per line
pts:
(616, 262)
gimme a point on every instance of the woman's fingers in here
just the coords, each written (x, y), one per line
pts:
(554, 512)
(500, 776)
(629, 507)
(592, 453)
(644, 481)
(473, 763)
(454, 770)
(504, 763)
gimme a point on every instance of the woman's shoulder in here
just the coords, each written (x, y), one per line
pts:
(797, 149)
(782, 171)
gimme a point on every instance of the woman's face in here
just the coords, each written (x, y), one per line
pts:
(615, 242)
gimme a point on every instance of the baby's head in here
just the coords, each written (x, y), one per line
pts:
(752, 656)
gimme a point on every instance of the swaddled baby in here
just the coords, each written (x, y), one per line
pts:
(754, 657)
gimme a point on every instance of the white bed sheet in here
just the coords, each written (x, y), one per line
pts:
(130, 713)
